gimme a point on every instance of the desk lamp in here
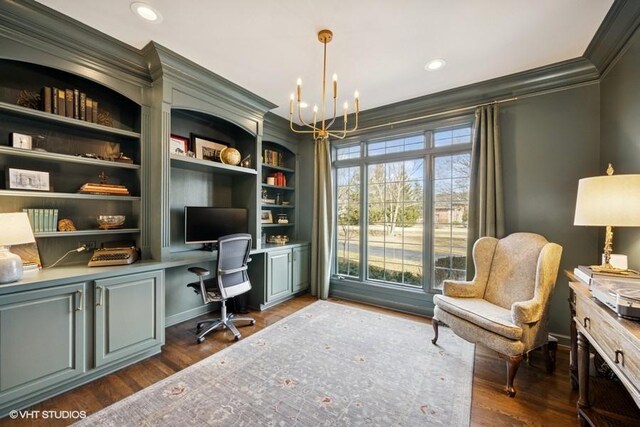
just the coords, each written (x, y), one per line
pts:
(610, 201)
(15, 229)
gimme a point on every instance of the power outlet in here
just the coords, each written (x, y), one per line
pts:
(90, 244)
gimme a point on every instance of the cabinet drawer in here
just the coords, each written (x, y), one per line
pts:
(604, 328)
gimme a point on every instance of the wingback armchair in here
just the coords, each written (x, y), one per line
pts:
(506, 304)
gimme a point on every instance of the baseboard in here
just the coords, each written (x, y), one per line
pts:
(189, 314)
(563, 340)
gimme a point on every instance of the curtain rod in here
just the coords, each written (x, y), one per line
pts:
(441, 113)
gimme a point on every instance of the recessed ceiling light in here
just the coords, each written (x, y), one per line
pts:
(146, 12)
(436, 64)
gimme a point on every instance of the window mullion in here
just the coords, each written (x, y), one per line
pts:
(364, 219)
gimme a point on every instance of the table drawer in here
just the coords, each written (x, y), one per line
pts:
(603, 326)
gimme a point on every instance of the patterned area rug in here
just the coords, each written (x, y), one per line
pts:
(325, 365)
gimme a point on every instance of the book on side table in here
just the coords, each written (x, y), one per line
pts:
(586, 274)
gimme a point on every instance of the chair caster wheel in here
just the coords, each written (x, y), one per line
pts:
(253, 322)
(200, 340)
(236, 338)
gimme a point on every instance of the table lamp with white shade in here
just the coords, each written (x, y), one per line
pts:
(608, 201)
(15, 229)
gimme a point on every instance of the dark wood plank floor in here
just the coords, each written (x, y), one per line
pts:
(542, 399)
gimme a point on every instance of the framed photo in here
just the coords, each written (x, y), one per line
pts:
(19, 140)
(23, 179)
(266, 217)
(178, 145)
(206, 149)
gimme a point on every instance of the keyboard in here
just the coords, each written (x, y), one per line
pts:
(113, 256)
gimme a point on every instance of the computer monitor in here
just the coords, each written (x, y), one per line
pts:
(204, 224)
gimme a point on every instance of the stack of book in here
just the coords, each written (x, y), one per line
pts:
(43, 220)
(69, 103)
(108, 189)
(586, 274)
(272, 158)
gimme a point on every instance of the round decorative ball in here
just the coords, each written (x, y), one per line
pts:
(230, 156)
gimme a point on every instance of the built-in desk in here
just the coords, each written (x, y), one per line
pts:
(617, 341)
(65, 326)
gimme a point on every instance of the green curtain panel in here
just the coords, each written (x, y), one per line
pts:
(322, 232)
(486, 199)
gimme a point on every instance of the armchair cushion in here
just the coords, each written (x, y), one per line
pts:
(482, 313)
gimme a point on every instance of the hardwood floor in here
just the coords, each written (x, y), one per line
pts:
(542, 399)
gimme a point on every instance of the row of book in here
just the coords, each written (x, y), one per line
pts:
(273, 158)
(43, 220)
(69, 103)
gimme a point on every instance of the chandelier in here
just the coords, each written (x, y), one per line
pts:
(320, 127)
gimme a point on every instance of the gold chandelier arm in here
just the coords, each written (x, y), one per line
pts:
(299, 130)
(334, 114)
(302, 120)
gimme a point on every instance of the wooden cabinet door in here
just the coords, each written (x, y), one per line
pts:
(42, 339)
(129, 315)
(300, 268)
(278, 274)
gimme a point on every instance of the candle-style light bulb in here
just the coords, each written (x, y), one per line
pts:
(315, 113)
(356, 97)
(291, 104)
(299, 83)
(335, 85)
(345, 106)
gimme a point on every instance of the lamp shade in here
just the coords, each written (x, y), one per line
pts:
(608, 200)
(15, 229)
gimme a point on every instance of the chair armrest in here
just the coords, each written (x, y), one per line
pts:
(233, 270)
(199, 271)
(460, 289)
(527, 311)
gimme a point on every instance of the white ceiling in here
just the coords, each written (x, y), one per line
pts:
(379, 47)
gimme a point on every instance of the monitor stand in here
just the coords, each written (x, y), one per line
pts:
(210, 247)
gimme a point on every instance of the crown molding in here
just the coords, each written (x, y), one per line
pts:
(615, 31)
(164, 63)
(550, 77)
(38, 26)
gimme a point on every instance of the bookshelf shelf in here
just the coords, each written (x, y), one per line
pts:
(87, 232)
(48, 157)
(67, 121)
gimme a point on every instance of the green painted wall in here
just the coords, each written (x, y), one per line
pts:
(549, 142)
(620, 133)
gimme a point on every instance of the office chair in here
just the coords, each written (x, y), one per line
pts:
(231, 279)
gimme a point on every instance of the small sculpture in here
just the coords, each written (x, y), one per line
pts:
(66, 224)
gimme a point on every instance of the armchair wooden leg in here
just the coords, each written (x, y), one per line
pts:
(552, 347)
(434, 322)
(513, 362)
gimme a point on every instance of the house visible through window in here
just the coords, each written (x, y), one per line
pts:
(402, 208)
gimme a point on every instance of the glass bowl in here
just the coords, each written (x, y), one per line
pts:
(106, 222)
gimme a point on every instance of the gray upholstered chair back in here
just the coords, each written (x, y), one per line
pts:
(513, 271)
(233, 257)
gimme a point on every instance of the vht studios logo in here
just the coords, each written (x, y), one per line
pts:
(52, 415)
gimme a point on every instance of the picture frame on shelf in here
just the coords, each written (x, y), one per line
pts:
(23, 179)
(266, 217)
(206, 149)
(19, 140)
(178, 145)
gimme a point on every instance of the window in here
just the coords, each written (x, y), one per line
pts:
(402, 204)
